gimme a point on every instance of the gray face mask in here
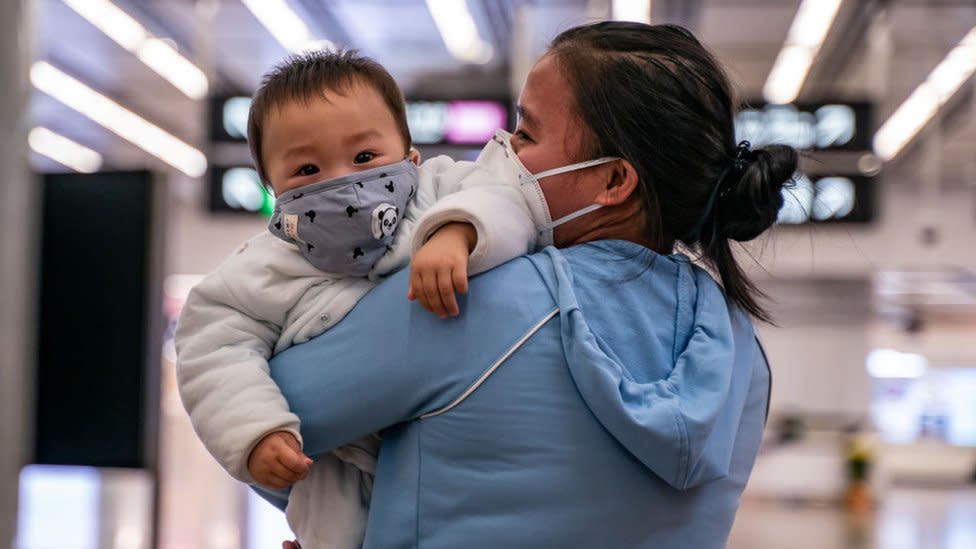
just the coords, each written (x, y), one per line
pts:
(346, 224)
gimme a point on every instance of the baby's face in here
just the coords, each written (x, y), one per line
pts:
(329, 137)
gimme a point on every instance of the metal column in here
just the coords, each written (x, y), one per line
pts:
(18, 222)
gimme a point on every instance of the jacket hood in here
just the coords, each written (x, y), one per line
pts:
(676, 404)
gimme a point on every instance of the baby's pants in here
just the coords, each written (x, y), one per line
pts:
(328, 509)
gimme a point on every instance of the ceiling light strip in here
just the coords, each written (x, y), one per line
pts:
(117, 119)
(631, 10)
(459, 32)
(64, 151)
(942, 83)
(282, 22)
(155, 53)
(807, 33)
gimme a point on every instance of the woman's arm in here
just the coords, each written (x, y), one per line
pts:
(389, 361)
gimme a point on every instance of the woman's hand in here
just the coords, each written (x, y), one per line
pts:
(440, 269)
(277, 461)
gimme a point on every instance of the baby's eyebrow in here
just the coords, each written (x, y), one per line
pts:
(361, 136)
(296, 150)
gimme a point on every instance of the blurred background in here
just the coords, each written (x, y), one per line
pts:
(130, 116)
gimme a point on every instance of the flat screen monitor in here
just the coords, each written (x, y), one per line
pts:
(99, 321)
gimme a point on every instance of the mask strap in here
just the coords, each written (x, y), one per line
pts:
(570, 217)
(574, 167)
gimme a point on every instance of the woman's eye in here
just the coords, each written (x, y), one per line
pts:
(522, 135)
(308, 169)
(363, 157)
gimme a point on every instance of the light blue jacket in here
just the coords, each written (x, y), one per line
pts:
(600, 396)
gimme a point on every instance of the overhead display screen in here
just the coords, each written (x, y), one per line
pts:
(432, 122)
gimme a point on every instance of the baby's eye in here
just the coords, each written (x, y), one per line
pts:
(308, 169)
(363, 157)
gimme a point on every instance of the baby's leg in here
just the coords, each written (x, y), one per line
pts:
(328, 509)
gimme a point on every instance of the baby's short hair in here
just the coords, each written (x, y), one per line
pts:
(312, 73)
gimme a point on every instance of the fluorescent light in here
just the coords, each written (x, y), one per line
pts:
(168, 63)
(64, 151)
(108, 18)
(285, 25)
(118, 119)
(941, 84)
(889, 363)
(788, 74)
(806, 36)
(155, 53)
(631, 10)
(459, 32)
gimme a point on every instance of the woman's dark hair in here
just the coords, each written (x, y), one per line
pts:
(656, 97)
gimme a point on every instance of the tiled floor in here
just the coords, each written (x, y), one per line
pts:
(943, 518)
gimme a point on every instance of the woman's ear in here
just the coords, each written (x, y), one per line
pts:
(414, 155)
(621, 184)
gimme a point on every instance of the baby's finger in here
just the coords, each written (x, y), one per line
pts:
(413, 292)
(277, 482)
(433, 294)
(460, 275)
(291, 477)
(446, 291)
(417, 287)
(293, 461)
(419, 293)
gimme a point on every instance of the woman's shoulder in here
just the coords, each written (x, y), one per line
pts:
(614, 261)
(523, 279)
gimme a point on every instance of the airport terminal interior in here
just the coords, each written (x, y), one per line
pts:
(135, 113)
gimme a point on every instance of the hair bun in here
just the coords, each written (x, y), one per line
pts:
(752, 204)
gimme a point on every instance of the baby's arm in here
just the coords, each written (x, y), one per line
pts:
(475, 225)
(223, 347)
(440, 268)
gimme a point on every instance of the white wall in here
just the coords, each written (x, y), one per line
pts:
(818, 368)
(893, 243)
(17, 238)
(196, 240)
(818, 350)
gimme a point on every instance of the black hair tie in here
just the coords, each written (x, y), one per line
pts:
(725, 183)
(743, 154)
(743, 157)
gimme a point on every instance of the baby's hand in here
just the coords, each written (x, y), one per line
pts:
(440, 268)
(277, 461)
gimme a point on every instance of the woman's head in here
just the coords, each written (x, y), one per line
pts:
(656, 98)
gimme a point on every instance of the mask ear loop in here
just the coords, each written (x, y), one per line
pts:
(576, 166)
(570, 217)
(571, 168)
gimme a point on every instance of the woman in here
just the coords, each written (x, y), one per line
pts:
(604, 392)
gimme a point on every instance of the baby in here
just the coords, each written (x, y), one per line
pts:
(328, 133)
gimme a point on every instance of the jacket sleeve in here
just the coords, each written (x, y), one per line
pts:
(467, 192)
(222, 370)
(389, 361)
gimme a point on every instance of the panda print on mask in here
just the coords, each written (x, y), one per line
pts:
(385, 220)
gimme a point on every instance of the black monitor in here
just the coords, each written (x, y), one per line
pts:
(99, 320)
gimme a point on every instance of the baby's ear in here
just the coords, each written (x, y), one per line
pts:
(414, 155)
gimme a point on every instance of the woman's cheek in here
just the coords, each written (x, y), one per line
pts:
(528, 159)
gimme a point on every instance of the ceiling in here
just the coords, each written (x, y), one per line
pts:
(877, 50)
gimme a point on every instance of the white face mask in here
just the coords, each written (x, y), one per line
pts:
(500, 159)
